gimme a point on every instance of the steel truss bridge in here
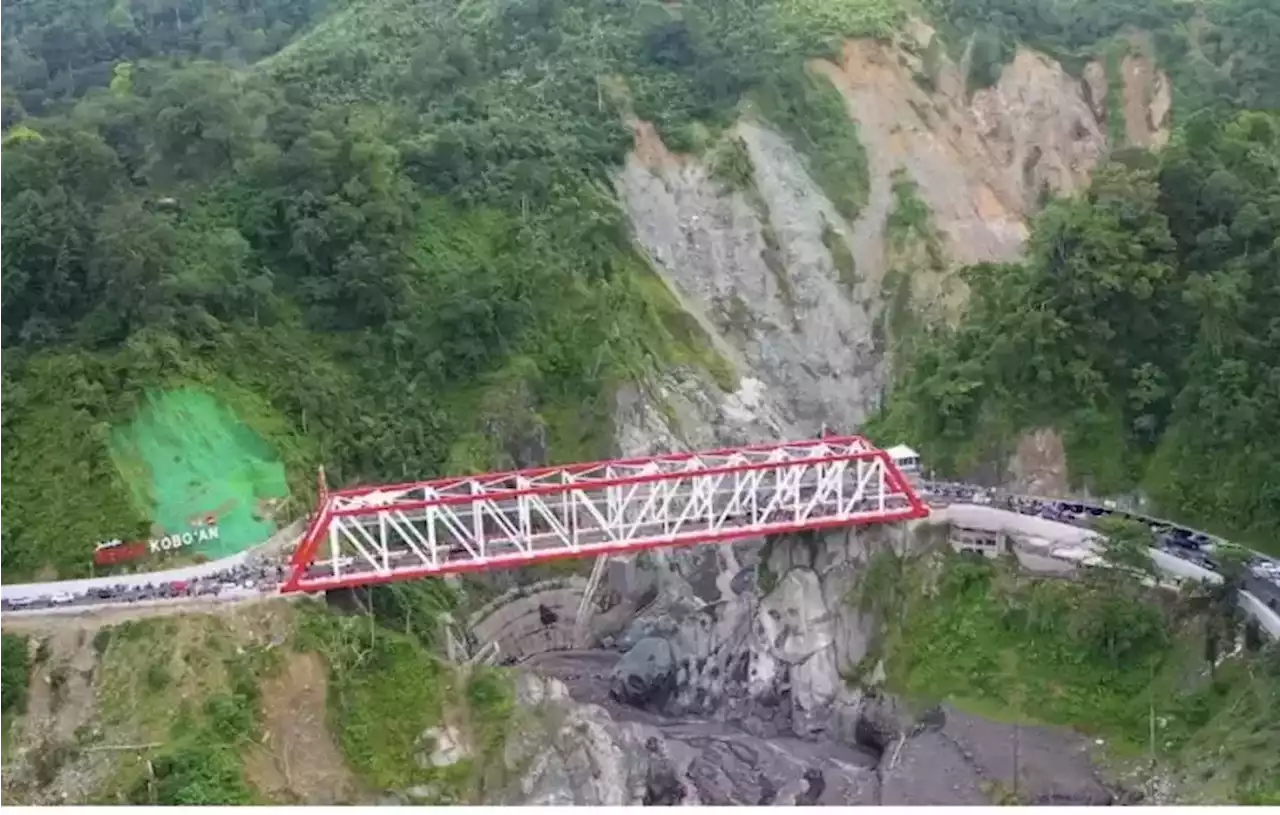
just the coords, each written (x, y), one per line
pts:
(368, 535)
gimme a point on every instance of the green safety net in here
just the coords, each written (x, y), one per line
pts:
(190, 462)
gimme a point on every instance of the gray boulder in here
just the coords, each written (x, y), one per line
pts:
(646, 675)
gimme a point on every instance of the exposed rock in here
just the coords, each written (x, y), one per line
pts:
(645, 676)
(662, 785)
(1039, 464)
(546, 615)
(1147, 95)
(1036, 121)
(880, 722)
(755, 273)
(441, 747)
(422, 793)
(794, 620)
(571, 754)
(853, 631)
(1095, 86)
(817, 785)
(763, 280)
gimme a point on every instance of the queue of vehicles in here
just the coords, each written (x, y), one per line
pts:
(1188, 544)
(261, 576)
(244, 578)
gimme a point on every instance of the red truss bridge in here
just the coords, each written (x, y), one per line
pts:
(367, 535)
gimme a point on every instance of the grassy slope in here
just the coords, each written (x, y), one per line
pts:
(1020, 649)
(544, 139)
(193, 686)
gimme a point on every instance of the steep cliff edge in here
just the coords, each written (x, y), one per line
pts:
(805, 303)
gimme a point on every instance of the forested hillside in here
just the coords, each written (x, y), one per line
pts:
(1222, 54)
(1142, 321)
(384, 234)
(391, 248)
(55, 52)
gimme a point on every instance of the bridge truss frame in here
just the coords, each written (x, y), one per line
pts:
(501, 520)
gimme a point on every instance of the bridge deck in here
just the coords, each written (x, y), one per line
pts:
(406, 531)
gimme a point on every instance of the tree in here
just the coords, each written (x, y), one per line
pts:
(16, 673)
(1126, 547)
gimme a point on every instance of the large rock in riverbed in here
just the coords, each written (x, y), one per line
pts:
(645, 676)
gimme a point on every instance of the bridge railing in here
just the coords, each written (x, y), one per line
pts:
(512, 519)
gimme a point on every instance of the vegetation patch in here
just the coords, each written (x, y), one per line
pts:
(910, 219)
(1098, 654)
(841, 256)
(1104, 332)
(1113, 61)
(190, 686)
(387, 691)
(15, 673)
(775, 261)
(915, 248)
(1086, 658)
(689, 342)
(15, 677)
(731, 164)
(812, 113)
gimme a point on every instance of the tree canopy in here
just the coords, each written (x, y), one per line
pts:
(382, 232)
(1143, 321)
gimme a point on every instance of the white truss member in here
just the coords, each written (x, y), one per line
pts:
(584, 606)
(405, 531)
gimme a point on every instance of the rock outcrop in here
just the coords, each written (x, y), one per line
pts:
(760, 277)
(646, 674)
(736, 697)
(755, 267)
(727, 683)
(565, 753)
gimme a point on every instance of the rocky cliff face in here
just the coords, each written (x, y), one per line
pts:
(756, 267)
(755, 640)
(759, 277)
(728, 685)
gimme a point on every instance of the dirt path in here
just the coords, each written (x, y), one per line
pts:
(297, 759)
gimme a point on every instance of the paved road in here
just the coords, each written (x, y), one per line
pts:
(246, 575)
(252, 574)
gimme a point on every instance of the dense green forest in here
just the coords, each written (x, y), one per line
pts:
(383, 232)
(1143, 322)
(391, 246)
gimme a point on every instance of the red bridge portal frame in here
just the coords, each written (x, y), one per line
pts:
(368, 535)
